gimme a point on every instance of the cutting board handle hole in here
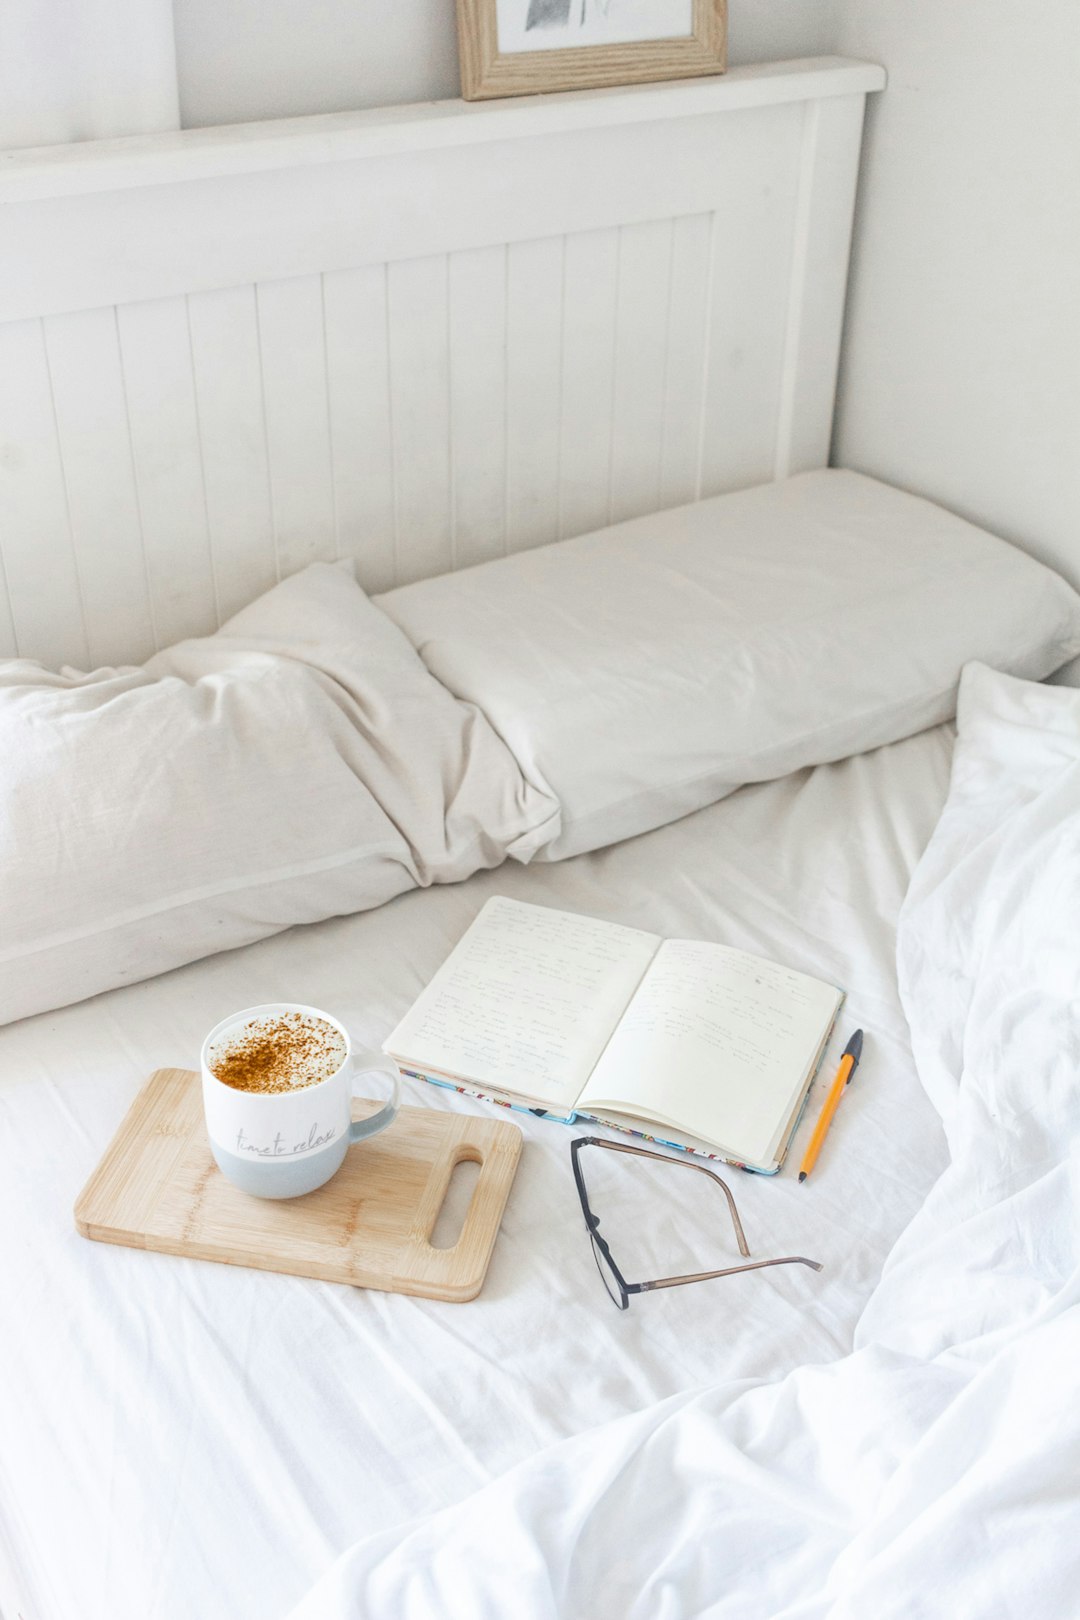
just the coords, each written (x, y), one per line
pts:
(455, 1204)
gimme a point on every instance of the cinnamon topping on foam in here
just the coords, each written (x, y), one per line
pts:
(278, 1053)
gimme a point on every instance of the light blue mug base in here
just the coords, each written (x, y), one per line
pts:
(278, 1178)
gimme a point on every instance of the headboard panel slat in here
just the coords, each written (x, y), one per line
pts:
(420, 358)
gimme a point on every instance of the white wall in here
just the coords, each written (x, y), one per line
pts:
(241, 59)
(84, 70)
(244, 59)
(960, 374)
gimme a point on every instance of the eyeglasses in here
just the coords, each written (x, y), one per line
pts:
(614, 1281)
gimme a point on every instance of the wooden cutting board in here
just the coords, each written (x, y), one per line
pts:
(158, 1188)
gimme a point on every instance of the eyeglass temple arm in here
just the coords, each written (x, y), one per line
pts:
(729, 1271)
(665, 1158)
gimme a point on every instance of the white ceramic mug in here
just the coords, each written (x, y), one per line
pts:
(284, 1143)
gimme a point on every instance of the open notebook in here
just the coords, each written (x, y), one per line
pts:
(695, 1045)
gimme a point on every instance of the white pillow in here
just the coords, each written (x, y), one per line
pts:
(299, 764)
(649, 669)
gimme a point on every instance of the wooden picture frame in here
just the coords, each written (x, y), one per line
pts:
(487, 71)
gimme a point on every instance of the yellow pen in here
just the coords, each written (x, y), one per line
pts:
(848, 1064)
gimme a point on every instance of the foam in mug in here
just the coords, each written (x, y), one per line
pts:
(279, 1052)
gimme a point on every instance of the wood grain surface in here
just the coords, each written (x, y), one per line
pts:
(158, 1188)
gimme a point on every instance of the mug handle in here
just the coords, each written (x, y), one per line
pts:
(366, 1061)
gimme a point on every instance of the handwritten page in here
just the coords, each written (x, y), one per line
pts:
(526, 1001)
(716, 1043)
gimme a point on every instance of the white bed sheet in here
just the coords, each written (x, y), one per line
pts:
(179, 1438)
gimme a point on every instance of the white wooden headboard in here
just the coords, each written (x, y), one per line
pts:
(420, 336)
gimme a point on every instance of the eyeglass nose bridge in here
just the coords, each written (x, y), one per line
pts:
(592, 1224)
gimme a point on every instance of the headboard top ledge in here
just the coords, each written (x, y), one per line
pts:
(79, 167)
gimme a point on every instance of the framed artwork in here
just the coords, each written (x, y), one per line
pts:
(521, 47)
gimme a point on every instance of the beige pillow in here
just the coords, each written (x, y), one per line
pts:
(299, 764)
(649, 669)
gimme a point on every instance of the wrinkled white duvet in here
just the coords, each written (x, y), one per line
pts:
(935, 1471)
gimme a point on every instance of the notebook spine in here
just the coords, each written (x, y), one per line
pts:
(485, 1096)
(677, 1147)
(576, 1118)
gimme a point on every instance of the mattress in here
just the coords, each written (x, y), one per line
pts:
(180, 1438)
